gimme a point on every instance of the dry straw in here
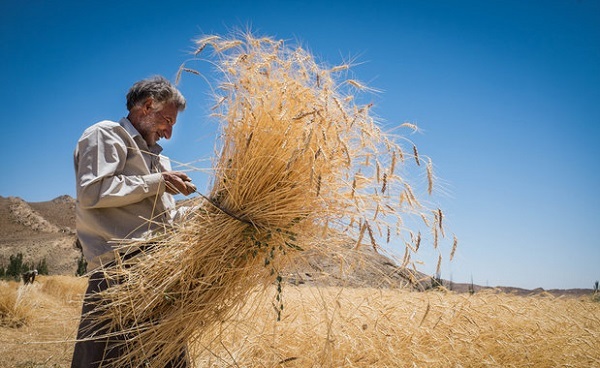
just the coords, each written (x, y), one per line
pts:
(300, 167)
(333, 327)
(343, 327)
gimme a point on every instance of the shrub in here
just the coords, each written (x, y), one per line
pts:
(81, 267)
(42, 267)
(436, 282)
(471, 287)
(15, 267)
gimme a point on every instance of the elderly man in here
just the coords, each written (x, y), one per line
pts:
(125, 190)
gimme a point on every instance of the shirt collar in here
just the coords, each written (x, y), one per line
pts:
(128, 126)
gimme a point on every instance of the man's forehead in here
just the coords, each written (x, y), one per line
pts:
(170, 108)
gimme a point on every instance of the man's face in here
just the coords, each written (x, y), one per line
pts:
(156, 124)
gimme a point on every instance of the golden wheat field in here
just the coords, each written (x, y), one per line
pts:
(335, 327)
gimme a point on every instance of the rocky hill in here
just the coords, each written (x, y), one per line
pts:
(41, 230)
(45, 230)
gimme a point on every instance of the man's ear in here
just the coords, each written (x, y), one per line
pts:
(148, 105)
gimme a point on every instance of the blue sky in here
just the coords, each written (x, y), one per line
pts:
(506, 94)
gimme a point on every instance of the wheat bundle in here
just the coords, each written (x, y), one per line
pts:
(299, 162)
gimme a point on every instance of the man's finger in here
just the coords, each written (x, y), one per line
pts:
(190, 186)
(171, 187)
(183, 176)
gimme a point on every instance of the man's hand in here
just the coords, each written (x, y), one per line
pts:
(178, 182)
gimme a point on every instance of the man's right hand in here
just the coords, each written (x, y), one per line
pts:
(178, 182)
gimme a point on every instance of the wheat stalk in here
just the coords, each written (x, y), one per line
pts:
(287, 176)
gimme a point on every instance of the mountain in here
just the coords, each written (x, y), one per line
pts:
(40, 230)
(45, 230)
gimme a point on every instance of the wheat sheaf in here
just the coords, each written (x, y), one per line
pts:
(300, 164)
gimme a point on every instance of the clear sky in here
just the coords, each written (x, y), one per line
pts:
(507, 94)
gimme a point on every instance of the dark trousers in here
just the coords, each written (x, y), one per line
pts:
(99, 352)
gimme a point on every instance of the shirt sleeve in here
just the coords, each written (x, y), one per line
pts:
(100, 160)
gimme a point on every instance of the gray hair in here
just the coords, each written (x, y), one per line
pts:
(159, 89)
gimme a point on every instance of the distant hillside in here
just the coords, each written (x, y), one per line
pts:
(46, 230)
(41, 230)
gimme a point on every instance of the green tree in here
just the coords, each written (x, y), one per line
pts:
(471, 286)
(436, 281)
(42, 267)
(15, 266)
(81, 267)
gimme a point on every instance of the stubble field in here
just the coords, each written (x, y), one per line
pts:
(335, 327)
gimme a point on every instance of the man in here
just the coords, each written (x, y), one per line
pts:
(29, 276)
(124, 190)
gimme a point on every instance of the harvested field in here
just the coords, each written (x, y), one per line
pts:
(337, 327)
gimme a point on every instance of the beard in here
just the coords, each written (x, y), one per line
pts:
(148, 131)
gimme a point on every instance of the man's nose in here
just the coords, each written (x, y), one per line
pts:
(168, 132)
